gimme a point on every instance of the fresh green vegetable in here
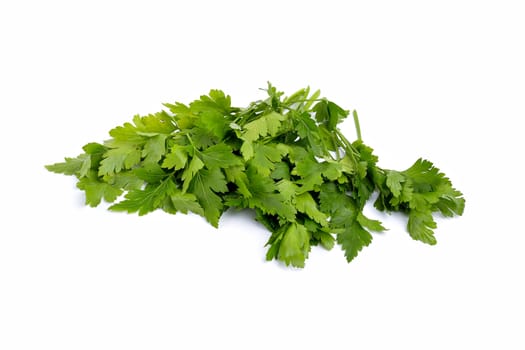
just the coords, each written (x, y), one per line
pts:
(283, 157)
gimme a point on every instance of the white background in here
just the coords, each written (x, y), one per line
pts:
(441, 80)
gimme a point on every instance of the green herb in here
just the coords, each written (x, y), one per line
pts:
(282, 157)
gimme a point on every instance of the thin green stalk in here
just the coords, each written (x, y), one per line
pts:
(347, 146)
(357, 127)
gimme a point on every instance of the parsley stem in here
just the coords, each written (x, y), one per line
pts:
(347, 146)
(191, 141)
(337, 153)
(357, 127)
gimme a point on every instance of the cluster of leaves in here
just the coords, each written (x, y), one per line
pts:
(283, 157)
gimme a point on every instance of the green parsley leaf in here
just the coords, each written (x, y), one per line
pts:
(205, 185)
(72, 166)
(268, 124)
(151, 173)
(307, 205)
(96, 189)
(295, 245)
(154, 149)
(420, 226)
(118, 159)
(267, 197)
(220, 156)
(394, 181)
(265, 157)
(176, 158)
(329, 114)
(187, 176)
(353, 239)
(146, 200)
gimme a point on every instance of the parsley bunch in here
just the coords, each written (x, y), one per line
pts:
(282, 157)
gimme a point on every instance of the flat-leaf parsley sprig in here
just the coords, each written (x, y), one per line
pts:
(283, 157)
